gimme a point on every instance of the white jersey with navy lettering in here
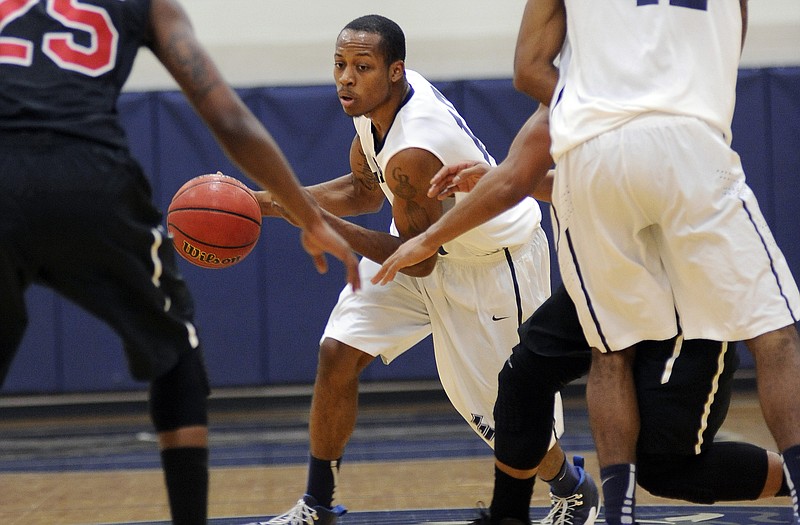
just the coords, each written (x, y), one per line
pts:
(473, 302)
(631, 57)
(429, 121)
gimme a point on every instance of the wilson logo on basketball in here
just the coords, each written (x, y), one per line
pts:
(207, 258)
(214, 220)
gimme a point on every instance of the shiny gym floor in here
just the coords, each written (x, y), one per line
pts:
(93, 460)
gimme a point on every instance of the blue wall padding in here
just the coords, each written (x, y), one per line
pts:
(260, 321)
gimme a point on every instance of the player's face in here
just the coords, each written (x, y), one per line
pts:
(363, 79)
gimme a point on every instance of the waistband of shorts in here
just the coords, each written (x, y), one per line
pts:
(656, 119)
(480, 260)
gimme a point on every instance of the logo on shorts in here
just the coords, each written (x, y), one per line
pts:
(495, 318)
(484, 429)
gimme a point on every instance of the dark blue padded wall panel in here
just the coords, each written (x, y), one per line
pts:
(260, 321)
(93, 359)
(785, 149)
(308, 124)
(228, 304)
(37, 365)
(751, 127)
(495, 113)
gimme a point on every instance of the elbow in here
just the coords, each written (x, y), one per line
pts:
(522, 80)
(529, 81)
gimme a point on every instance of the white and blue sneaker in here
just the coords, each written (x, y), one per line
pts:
(308, 512)
(580, 507)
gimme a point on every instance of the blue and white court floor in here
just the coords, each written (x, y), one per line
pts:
(411, 460)
(646, 515)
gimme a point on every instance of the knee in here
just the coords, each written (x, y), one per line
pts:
(178, 399)
(523, 417)
(671, 476)
(339, 362)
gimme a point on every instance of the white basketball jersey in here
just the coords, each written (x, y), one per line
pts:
(429, 121)
(639, 56)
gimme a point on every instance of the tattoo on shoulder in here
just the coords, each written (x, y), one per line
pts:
(417, 216)
(403, 188)
(364, 176)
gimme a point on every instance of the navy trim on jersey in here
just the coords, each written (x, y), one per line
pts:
(378, 145)
(516, 285)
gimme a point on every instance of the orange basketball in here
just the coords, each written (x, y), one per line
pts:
(214, 221)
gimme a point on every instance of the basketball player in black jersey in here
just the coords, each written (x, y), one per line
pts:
(76, 213)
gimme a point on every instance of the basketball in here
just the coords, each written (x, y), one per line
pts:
(214, 221)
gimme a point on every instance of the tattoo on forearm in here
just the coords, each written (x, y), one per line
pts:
(192, 64)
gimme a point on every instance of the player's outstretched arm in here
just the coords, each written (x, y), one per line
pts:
(355, 193)
(502, 187)
(240, 134)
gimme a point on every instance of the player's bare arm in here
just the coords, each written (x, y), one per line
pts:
(408, 176)
(526, 166)
(355, 193)
(463, 177)
(743, 4)
(246, 142)
(539, 41)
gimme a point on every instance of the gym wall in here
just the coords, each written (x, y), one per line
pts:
(260, 321)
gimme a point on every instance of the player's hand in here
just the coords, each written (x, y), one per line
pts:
(461, 177)
(265, 202)
(272, 208)
(411, 252)
(320, 239)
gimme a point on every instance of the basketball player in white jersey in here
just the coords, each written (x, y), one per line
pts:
(471, 296)
(656, 224)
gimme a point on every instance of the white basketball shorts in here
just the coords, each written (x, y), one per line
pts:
(654, 223)
(472, 307)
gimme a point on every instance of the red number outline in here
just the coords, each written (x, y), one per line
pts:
(99, 57)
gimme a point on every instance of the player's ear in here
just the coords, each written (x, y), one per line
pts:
(398, 70)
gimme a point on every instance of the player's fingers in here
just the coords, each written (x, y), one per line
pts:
(386, 272)
(327, 240)
(320, 262)
(443, 179)
(453, 186)
(313, 247)
(353, 277)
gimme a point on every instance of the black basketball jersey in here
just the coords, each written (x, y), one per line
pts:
(63, 64)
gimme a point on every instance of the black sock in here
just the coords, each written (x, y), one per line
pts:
(186, 476)
(619, 493)
(322, 479)
(511, 497)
